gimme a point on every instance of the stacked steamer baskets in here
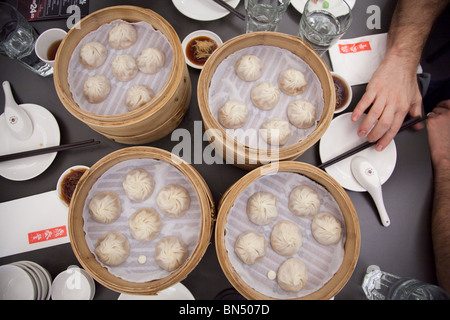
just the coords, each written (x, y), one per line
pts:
(171, 85)
(327, 265)
(139, 272)
(219, 83)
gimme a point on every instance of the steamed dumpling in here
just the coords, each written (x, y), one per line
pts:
(145, 224)
(265, 95)
(105, 207)
(122, 36)
(304, 201)
(326, 228)
(292, 82)
(151, 60)
(275, 131)
(173, 200)
(292, 275)
(137, 96)
(112, 248)
(233, 114)
(170, 253)
(301, 113)
(93, 54)
(250, 246)
(96, 88)
(249, 68)
(124, 67)
(286, 238)
(262, 208)
(138, 185)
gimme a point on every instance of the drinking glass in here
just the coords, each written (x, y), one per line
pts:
(17, 40)
(324, 22)
(264, 15)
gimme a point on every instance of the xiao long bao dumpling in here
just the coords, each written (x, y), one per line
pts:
(250, 246)
(265, 95)
(304, 201)
(292, 275)
(105, 207)
(286, 238)
(138, 185)
(233, 114)
(122, 36)
(124, 67)
(262, 208)
(96, 88)
(145, 224)
(138, 96)
(93, 54)
(173, 200)
(249, 68)
(301, 113)
(292, 82)
(275, 131)
(112, 248)
(150, 60)
(170, 253)
(326, 228)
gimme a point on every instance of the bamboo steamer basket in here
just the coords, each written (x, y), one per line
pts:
(156, 115)
(353, 236)
(77, 235)
(237, 153)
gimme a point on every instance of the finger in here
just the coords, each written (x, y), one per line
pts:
(372, 116)
(382, 126)
(390, 134)
(444, 104)
(362, 106)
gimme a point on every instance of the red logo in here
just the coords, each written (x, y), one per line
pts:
(47, 234)
(355, 47)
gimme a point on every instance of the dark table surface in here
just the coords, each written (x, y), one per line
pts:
(404, 248)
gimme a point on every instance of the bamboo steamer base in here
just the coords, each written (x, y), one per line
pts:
(77, 235)
(353, 236)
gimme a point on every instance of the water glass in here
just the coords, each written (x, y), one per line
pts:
(324, 22)
(264, 15)
(17, 40)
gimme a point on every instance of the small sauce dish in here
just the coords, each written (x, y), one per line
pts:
(343, 93)
(68, 181)
(198, 46)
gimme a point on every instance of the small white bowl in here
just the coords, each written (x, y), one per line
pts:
(195, 34)
(60, 180)
(73, 284)
(16, 284)
(349, 90)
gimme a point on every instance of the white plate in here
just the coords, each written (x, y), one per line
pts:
(45, 134)
(195, 34)
(299, 5)
(340, 137)
(203, 10)
(176, 292)
(16, 284)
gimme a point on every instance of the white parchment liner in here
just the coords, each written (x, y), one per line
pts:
(115, 103)
(187, 227)
(226, 85)
(321, 261)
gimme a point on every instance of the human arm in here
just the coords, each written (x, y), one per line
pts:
(393, 90)
(438, 128)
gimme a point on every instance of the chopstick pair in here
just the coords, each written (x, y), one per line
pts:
(40, 151)
(367, 144)
(230, 8)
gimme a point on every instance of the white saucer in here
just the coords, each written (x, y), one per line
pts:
(176, 292)
(203, 10)
(299, 5)
(45, 134)
(342, 136)
(16, 284)
(195, 34)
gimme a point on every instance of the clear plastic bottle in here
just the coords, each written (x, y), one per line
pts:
(380, 285)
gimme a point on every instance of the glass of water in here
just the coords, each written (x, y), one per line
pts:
(17, 40)
(264, 15)
(323, 23)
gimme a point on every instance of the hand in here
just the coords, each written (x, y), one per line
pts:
(393, 91)
(438, 127)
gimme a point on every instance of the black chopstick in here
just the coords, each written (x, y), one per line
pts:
(230, 8)
(40, 151)
(408, 123)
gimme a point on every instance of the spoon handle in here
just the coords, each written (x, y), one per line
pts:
(378, 199)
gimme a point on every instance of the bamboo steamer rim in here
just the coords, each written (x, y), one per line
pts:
(103, 16)
(353, 236)
(268, 38)
(77, 235)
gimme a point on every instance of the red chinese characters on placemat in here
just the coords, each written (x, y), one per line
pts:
(47, 234)
(354, 47)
